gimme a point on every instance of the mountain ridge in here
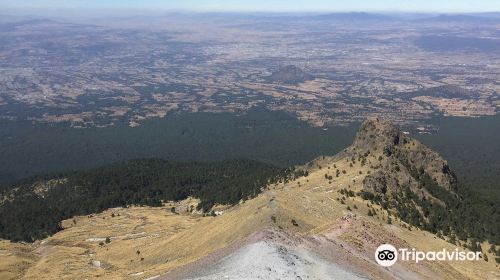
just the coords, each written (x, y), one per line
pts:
(325, 217)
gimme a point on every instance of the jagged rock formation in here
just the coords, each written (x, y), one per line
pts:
(405, 161)
(289, 74)
(412, 181)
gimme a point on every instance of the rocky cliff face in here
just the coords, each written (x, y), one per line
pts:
(403, 161)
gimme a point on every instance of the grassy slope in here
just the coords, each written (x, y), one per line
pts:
(167, 241)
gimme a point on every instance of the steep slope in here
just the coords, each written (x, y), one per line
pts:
(314, 227)
(402, 156)
(416, 184)
(33, 209)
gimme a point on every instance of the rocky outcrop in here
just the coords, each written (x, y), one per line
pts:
(381, 182)
(403, 161)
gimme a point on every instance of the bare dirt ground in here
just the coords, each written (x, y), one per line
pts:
(267, 254)
(268, 260)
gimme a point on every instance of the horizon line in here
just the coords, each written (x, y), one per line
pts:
(34, 11)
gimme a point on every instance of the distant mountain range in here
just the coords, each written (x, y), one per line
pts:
(357, 17)
(463, 18)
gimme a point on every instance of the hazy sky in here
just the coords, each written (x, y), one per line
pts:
(264, 5)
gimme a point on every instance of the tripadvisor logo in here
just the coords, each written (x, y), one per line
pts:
(387, 255)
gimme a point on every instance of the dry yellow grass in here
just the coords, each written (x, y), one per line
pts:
(15, 259)
(146, 242)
